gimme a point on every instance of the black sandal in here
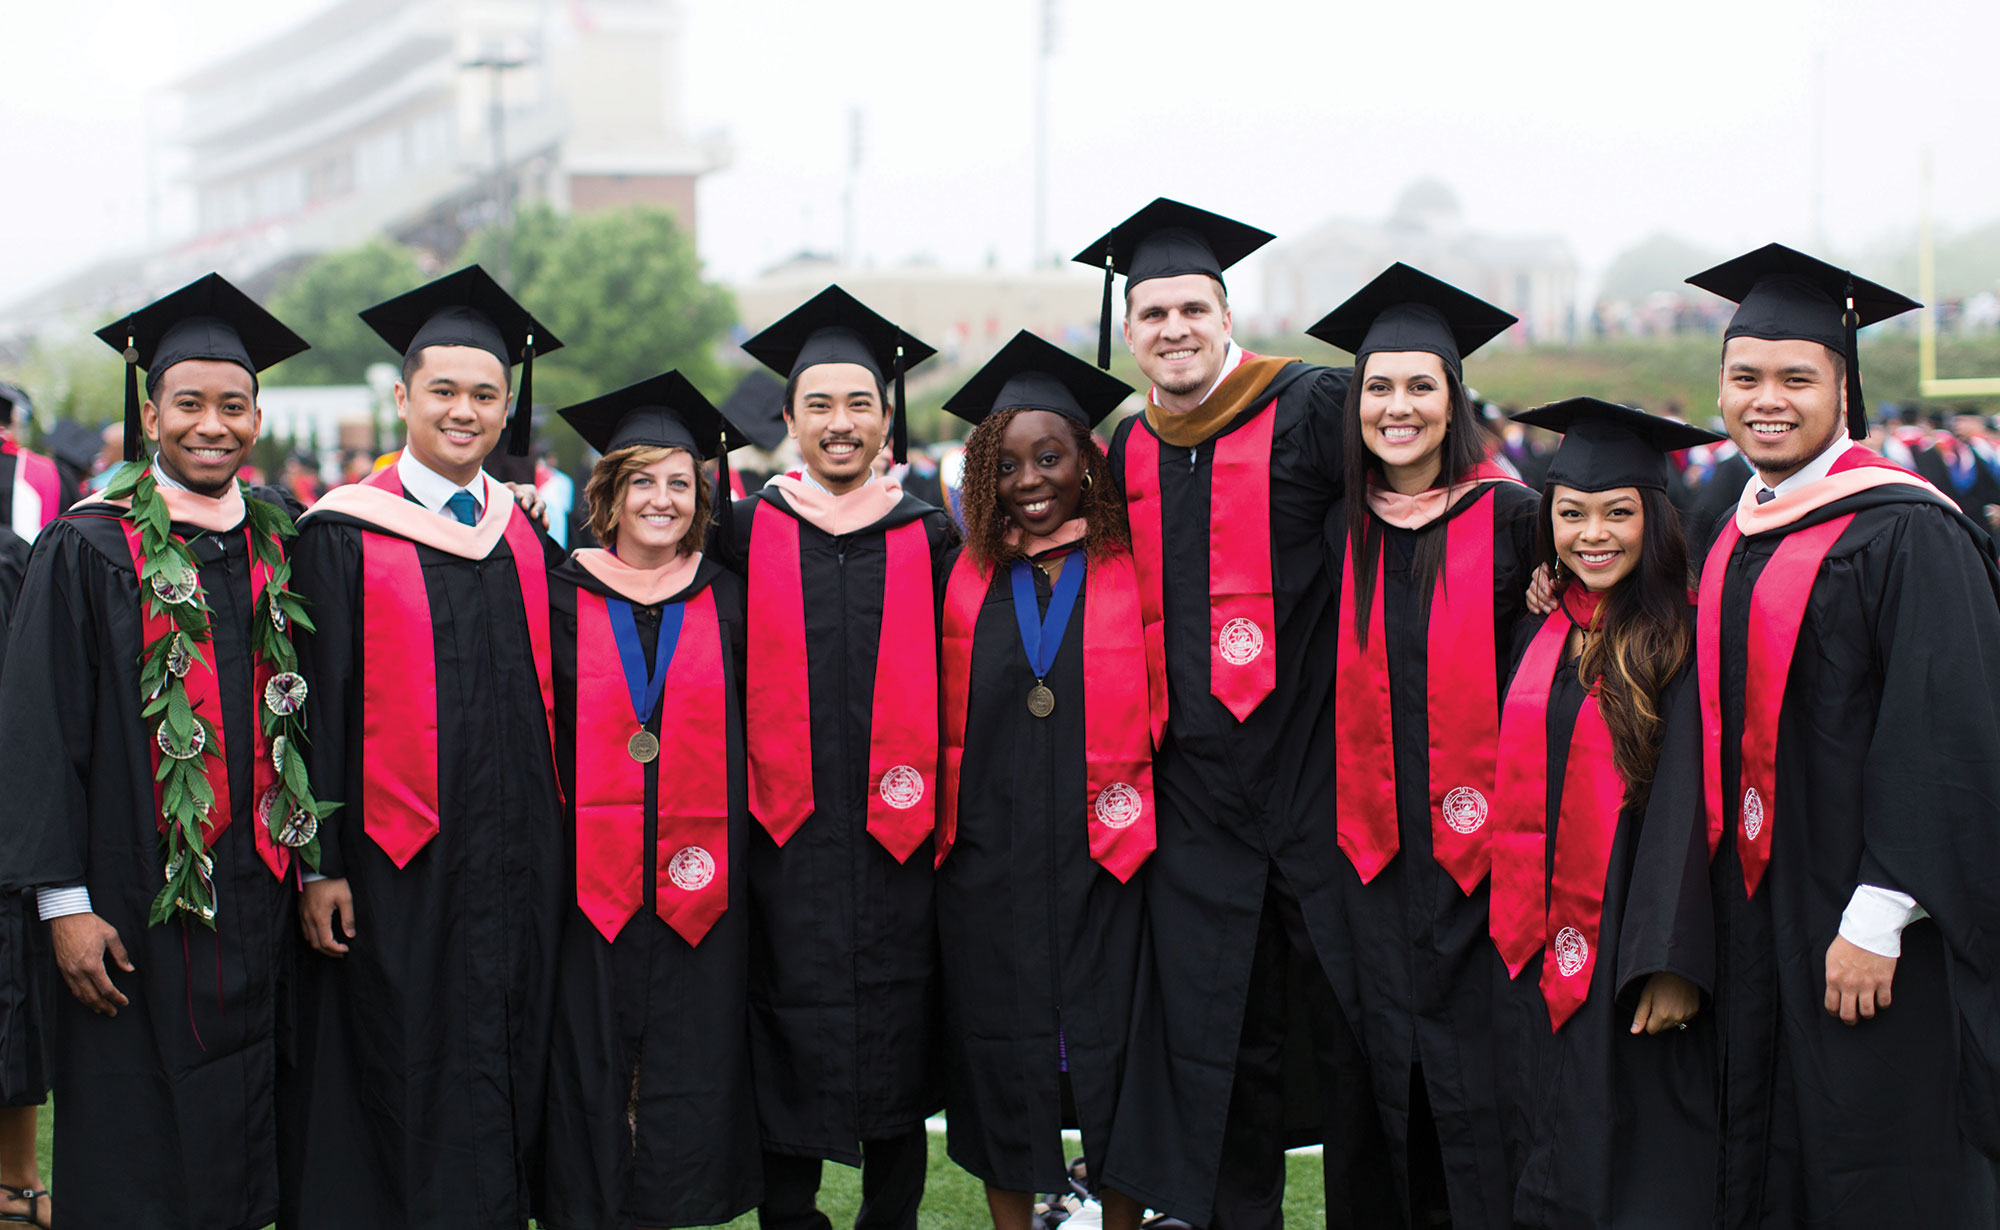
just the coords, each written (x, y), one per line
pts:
(33, 1197)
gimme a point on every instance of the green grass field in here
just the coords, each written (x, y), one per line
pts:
(953, 1199)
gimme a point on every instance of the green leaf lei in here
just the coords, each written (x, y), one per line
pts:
(173, 585)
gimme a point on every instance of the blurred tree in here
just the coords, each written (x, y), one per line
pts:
(320, 305)
(531, 242)
(624, 291)
(1656, 263)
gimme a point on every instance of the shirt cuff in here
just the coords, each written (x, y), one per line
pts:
(310, 876)
(57, 902)
(1875, 918)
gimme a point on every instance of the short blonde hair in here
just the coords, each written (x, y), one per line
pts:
(604, 493)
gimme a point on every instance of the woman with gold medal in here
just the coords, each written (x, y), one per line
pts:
(651, 1120)
(1046, 811)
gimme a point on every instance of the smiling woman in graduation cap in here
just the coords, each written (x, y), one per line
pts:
(424, 1020)
(1047, 806)
(1600, 878)
(841, 570)
(651, 1119)
(1435, 546)
(170, 918)
(1848, 643)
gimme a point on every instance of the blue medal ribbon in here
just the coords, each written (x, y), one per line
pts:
(646, 688)
(1041, 638)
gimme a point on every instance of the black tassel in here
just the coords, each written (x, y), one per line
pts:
(723, 495)
(1104, 312)
(1857, 409)
(134, 434)
(900, 430)
(524, 404)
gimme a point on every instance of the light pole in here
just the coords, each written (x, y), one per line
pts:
(496, 65)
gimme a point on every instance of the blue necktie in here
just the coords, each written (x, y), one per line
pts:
(462, 506)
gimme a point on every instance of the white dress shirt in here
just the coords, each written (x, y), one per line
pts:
(1875, 916)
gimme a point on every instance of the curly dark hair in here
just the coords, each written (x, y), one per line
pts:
(1102, 507)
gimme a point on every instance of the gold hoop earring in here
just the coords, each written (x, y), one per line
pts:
(1086, 480)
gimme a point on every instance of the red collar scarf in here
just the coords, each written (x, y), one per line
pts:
(399, 682)
(689, 859)
(903, 728)
(1242, 619)
(204, 693)
(1117, 732)
(1532, 910)
(37, 494)
(1462, 699)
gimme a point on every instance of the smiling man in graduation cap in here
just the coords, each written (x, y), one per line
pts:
(1229, 475)
(150, 671)
(843, 570)
(1843, 608)
(424, 1021)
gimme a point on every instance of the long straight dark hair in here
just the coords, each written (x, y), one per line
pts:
(1464, 448)
(1646, 634)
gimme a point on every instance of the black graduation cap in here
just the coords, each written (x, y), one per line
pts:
(17, 402)
(1165, 240)
(1407, 309)
(70, 441)
(756, 409)
(662, 411)
(1782, 294)
(468, 308)
(835, 327)
(1031, 374)
(1606, 445)
(206, 319)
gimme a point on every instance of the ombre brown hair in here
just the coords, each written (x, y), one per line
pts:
(611, 477)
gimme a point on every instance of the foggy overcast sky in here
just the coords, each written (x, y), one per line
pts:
(1601, 121)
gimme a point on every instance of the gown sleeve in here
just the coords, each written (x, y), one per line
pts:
(1669, 916)
(326, 568)
(48, 710)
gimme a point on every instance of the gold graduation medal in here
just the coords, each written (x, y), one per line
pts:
(643, 747)
(1041, 701)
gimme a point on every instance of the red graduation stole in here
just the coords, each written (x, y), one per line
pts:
(690, 856)
(39, 475)
(902, 731)
(1117, 731)
(1242, 619)
(1462, 699)
(399, 685)
(1533, 910)
(204, 695)
(1777, 610)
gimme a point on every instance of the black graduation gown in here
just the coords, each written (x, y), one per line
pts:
(416, 1095)
(1418, 970)
(843, 943)
(1605, 1128)
(647, 1022)
(1236, 801)
(168, 1116)
(1886, 775)
(27, 970)
(1716, 498)
(1972, 491)
(1037, 939)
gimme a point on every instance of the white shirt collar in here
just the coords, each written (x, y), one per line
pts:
(432, 489)
(164, 479)
(1232, 359)
(1814, 470)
